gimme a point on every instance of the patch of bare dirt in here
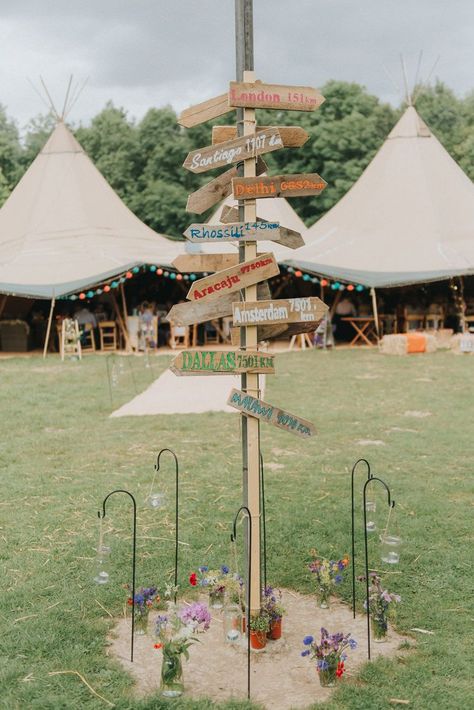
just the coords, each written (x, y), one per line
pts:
(280, 677)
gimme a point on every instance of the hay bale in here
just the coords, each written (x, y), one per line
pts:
(443, 338)
(393, 345)
(398, 344)
(462, 343)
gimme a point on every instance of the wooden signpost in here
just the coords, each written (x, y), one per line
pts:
(253, 407)
(216, 296)
(187, 263)
(291, 310)
(216, 190)
(291, 136)
(222, 362)
(205, 111)
(233, 151)
(288, 237)
(244, 274)
(259, 95)
(299, 185)
(235, 232)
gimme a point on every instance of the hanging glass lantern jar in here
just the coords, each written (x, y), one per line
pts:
(102, 564)
(156, 500)
(370, 508)
(390, 540)
(232, 623)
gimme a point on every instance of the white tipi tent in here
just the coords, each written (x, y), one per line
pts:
(408, 219)
(64, 228)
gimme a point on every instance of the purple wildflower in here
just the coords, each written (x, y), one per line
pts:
(308, 640)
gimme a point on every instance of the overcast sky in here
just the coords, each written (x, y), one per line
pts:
(143, 53)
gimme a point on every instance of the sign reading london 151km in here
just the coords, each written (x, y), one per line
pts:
(258, 95)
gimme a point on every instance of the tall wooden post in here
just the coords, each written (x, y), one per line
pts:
(248, 334)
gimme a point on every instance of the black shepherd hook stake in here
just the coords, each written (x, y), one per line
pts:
(157, 468)
(134, 553)
(391, 504)
(264, 522)
(233, 538)
(369, 476)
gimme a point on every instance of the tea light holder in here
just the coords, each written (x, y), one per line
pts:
(370, 508)
(232, 623)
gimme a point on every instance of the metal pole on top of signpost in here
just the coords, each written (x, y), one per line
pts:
(248, 334)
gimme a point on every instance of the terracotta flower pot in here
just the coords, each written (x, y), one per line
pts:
(258, 639)
(275, 630)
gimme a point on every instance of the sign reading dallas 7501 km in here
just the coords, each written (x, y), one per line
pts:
(237, 232)
(290, 310)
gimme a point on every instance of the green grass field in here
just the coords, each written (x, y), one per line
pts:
(60, 455)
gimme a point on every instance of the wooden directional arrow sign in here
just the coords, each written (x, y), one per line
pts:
(253, 407)
(222, 362)
(216, 190)
(202, 311)
(237, 232)
(198, 161)
(259, 95)
(298, 185)
(204, 111)
(288, 237)
(291, 136)
(187, 263)
(291, 310)
(233, 279)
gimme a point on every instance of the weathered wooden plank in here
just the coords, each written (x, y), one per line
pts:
(276, 96)
(288, 237)
(187, 263)
(245, 274)
(290, 310)
(201, 311)
(216, 190)
(253, 407)
(235, 232)
(222, 362)
(234, 151)
(205, 111)
(297, 185)
(291, 136)
(266, 332)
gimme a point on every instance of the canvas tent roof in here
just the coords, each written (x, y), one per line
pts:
(63, 228)
(274, 210)
(409, 218)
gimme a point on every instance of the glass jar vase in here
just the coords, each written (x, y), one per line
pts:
(171, 685)
(379, 627)
(216, 598)
(324, 596)
(141, 620)
(328, 673)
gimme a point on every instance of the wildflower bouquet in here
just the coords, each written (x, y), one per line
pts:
(214, 581)
(273, 608)
(145, 598)
(380, 608)
(328, 573)
(176, 631)
(329, 653)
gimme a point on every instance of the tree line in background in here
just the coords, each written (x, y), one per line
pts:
(143, 160)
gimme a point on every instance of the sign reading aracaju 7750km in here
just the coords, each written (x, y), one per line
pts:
(258, 95)
(233, 151)
(233, 279)
(253, 407)
(291, 310)
(298, 185)
(222, 362)
(237, 232)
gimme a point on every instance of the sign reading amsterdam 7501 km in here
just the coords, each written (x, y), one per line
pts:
(290, 310)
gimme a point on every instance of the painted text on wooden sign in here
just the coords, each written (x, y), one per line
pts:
(291, 136)
(237, 232)
(233, 151)
(291, 310)
(216, 190)
(254, 407)
(233, 279)
(288, 237)
(298, 185)
(259, 95)
(222, 362)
